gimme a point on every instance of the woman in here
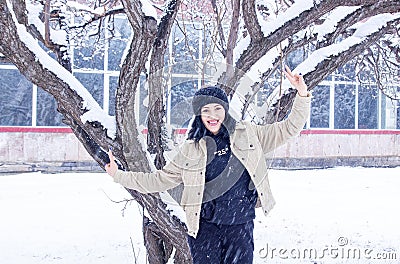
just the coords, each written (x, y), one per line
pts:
(223, 171)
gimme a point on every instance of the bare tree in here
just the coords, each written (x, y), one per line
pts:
(251, 36)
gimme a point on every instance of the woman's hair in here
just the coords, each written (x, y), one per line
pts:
(198, 129)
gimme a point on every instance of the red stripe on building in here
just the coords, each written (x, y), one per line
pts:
(36, 129)
(350, 132)
(5, 129)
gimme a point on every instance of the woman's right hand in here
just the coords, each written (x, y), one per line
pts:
(112, 167)
(297, 81)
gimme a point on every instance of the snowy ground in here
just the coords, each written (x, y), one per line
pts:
(341, 215)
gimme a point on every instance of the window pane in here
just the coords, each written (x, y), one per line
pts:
(185, 50)
(15, 100)
(121, 32)
(90, 52)
(344, 106)
(182, 91)
(320, 107)
(367, 107)
(113, 92)
(94, 83)
(47, 114)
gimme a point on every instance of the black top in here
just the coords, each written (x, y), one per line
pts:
(229, 194)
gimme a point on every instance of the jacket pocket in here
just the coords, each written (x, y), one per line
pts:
(245, 145)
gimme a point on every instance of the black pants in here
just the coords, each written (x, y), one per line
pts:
(228, 244)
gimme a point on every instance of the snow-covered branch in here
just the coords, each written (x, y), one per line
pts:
(325, 60)
(295, 19)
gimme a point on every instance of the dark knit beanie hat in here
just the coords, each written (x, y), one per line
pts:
(209, 95)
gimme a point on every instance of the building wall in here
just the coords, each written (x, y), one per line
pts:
(41, 149)
(54, 150)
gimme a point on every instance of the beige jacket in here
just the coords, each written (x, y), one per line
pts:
(249, 143)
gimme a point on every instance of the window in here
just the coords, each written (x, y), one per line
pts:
(367, 107)
(121, 31)
(94, 83)
(142, 96)
(338, 102)
(16, 99)
(90, 55)
(182, 91)
(319, 117)
(185, 51)
(112, 96)
(47, 114)
(344, 106)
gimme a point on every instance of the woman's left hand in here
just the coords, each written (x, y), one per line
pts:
(296, 81)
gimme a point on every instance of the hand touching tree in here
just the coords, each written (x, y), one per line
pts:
(112, 167)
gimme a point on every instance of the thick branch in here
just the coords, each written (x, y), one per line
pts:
(69, 102)
(220, 29)
(324, 68)
(156, 84)
(289, 28)
(233, 32)
(359, 15)
(135, 14)
(250, 19)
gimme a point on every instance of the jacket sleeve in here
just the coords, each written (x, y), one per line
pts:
(274, 135)
(151, 182)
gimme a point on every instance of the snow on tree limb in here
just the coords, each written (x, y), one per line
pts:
(241, 46)
(364, 30)
(34, 11)
(267, 27)
(148, 9)
(94, 111)
(332, 20)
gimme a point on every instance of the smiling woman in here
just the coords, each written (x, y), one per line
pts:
(211, 106)
(223, 173)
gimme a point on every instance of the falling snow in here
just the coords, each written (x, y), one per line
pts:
(69, 218)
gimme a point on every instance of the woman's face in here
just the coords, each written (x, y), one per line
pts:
(212, 116)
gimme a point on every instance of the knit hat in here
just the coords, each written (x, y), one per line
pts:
(209, 95)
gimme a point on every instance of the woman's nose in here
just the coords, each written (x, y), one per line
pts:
(212, 114)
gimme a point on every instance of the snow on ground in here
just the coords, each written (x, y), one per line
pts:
(340, 215)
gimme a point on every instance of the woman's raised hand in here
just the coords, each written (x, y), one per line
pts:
(297, 81)
(112, 167)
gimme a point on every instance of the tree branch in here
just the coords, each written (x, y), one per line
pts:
(157, 83)
(220, 29)
(257, 49)
(251, 20)
(324, 68)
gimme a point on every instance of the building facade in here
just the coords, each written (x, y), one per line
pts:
(350, 123)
